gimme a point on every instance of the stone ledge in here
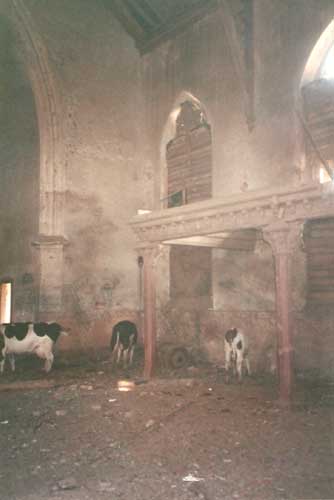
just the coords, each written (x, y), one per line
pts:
(237, 212)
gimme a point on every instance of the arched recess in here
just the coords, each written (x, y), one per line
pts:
(186, 155)
(317, 108)
(315, 61)
(50, 113)
(169, 133)
(48, 107)
(317, 95)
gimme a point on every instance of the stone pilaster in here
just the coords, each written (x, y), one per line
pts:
(50, 264)
(283, 239)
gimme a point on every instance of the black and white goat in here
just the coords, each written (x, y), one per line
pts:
(236, 353)
(123, 341)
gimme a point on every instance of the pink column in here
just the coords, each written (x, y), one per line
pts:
(283, 239)
(149, 323)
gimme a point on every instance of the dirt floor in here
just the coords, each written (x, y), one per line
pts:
(72, 435)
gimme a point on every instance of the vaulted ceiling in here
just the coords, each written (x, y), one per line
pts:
(150, 22)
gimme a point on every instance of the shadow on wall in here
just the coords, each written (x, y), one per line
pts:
(314, 344)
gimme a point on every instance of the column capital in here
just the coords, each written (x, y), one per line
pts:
(283, 237)
(150, 251)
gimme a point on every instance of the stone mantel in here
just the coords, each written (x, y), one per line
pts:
(256, 209)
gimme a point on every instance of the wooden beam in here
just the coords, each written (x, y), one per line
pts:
(129, 23)
(176, 26)
(151, 12)
(141, 15)
(143, 23)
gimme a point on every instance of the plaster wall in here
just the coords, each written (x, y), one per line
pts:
(199, 62)
(244, 280)
(313, 343)
(108, 174)
(114, 119)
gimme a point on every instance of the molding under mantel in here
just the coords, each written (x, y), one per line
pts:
(252, 210)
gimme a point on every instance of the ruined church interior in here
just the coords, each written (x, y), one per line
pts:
(168, 163)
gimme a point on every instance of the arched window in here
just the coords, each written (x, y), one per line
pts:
(317, 89)
(189, 157)
(327, 68)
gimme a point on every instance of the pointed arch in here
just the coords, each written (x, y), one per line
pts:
(48, 108)
(170, 130)
(170, 125)
(51, 115)
(316, 93)
(318, 55)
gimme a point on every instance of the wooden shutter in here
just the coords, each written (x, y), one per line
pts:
(319, 246)
(189, 158)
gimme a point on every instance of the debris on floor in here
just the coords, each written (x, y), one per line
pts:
(180, 438)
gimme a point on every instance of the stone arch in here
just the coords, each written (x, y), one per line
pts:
(317, 56)
(315, 94)
(169, 131)
(48, 109)
(52, 155)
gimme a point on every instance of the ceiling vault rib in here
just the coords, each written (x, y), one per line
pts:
(129, 23)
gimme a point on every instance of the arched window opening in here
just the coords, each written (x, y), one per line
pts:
(317, 89)
(186, 152)
(189, 157)
(323, 174)
(327, 68)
